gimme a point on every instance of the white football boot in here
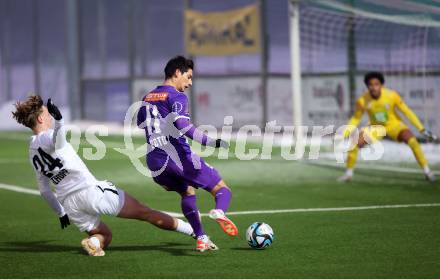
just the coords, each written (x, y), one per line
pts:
(430, 176)
(347, 177)
(204, 244)
(91, 249)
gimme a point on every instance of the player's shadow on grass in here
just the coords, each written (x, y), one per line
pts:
(247, 249)
(172, 248)
(44, 246)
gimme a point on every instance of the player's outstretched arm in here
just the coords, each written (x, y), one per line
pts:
(355, 119)
(412, 117)
(49, 197)
(59, 135)
(189, 130)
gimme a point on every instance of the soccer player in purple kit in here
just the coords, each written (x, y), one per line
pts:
(165, 117)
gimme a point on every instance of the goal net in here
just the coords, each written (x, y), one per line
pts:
(342, 40)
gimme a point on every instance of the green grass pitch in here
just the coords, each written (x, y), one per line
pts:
(378, 243)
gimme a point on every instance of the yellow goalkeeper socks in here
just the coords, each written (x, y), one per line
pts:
(418, 153)
(352, 157)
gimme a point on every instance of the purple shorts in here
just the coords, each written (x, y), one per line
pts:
(173, 178)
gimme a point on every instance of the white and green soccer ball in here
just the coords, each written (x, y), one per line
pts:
(259, 235)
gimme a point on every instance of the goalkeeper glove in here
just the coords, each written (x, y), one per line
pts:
(53, 110)
(64, 221)
(428, 135)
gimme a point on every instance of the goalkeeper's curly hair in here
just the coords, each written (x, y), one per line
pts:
(26, 112)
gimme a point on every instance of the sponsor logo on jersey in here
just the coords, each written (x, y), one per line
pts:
(154, 97)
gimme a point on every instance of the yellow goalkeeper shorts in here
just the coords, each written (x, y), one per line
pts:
(392, 130)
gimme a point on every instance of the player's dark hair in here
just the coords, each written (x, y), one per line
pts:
(371, 75)
(26, 112)
(178, 63)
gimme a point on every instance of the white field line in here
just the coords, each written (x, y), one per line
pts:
(277, 211)
(329, 209)
(19, 189)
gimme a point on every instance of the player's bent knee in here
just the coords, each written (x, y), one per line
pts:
(190, 191)
(405, 136)
(361, 144)
(219, 185)
(362, 141)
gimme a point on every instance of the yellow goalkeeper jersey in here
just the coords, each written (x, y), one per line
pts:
(382, 111)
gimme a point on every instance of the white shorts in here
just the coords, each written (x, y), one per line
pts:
(85, 207)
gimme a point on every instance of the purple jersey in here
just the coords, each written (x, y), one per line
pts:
(160, 108)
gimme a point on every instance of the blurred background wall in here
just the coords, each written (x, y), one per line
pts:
(95, 57)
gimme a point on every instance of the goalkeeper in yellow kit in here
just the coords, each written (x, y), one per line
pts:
(381, 105)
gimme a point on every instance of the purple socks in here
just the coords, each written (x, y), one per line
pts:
(223, 199)
(191, 212)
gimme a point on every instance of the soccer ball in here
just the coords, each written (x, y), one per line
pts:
(259, 235)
